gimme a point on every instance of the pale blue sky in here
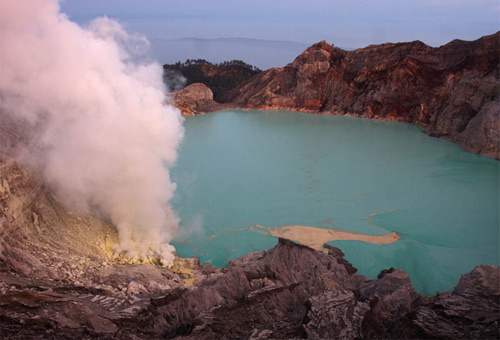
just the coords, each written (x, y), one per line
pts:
(354, 23)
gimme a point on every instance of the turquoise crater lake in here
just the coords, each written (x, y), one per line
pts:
(237, 169)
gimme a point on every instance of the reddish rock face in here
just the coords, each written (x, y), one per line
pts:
(195, 99)
(452, 90)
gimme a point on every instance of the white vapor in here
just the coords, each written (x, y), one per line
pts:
(99, 130)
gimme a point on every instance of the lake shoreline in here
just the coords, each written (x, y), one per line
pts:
(190, 103)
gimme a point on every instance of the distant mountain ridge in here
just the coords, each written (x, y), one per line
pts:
(262, 53)
(241, 39)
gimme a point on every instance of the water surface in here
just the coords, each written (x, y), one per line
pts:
(237, 169)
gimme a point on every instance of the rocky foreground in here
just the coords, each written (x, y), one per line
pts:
(452, 90)
(58, 280)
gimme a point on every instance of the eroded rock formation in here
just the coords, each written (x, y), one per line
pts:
(452, 90)
(292, 291)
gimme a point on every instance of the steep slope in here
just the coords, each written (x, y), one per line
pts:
(452, 90)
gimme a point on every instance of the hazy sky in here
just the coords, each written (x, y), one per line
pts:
(354, 23)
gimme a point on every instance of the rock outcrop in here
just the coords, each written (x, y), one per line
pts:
(58, 279)
(294, 292)
(452, 90)
(196, 99)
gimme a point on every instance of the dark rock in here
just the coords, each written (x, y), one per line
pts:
(470, 311)
(391, 298)
(274, 285)
(336, 315)
(292, 291)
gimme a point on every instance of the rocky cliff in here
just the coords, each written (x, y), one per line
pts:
(294, 292)
(452, 90)
(59, 280)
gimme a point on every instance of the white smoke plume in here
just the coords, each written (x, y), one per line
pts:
(99, 131)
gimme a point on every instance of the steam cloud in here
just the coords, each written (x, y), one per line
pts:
(99, 131)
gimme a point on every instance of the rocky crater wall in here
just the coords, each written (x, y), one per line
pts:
(452, 90)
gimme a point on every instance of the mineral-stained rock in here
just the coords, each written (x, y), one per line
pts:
(196, 99)
(56, 278)
(452, 90)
